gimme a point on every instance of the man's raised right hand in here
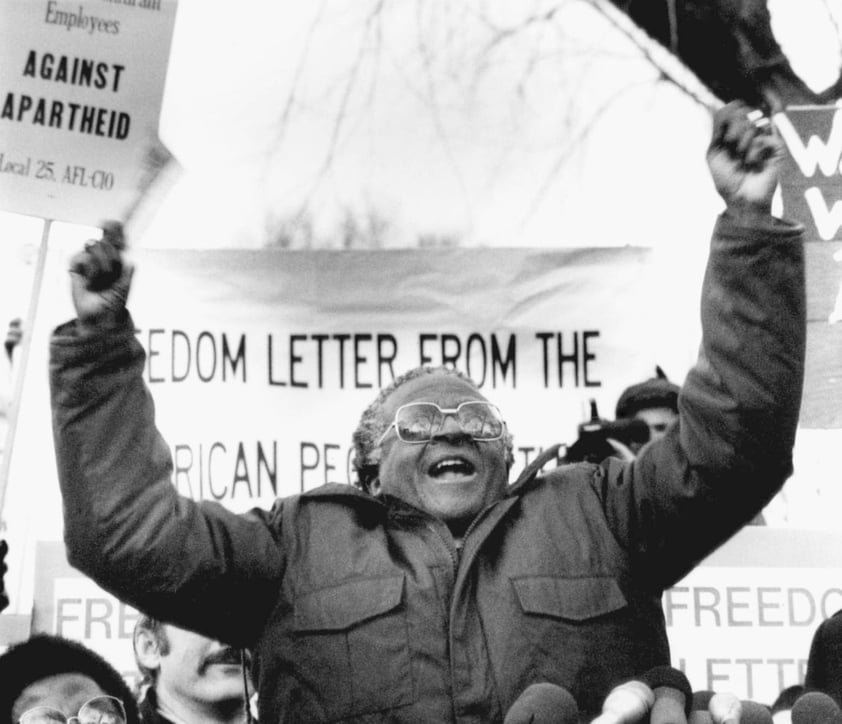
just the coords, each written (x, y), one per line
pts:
(100, 280)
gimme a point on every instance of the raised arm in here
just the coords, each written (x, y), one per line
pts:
(732, 448)
(197, 565)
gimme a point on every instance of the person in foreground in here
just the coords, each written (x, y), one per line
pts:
(50, 679)
(436, 590)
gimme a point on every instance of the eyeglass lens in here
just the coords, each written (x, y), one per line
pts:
(42, 715)
(100, 710)
(417, 422)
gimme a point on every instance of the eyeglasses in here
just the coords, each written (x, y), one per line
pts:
(417, 422)
(99, 710)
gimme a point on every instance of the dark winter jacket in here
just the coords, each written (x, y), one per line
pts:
(149, 713)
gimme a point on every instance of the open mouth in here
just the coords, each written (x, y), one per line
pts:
(452, 469)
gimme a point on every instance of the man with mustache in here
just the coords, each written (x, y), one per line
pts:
(187, 678)
(436, 589)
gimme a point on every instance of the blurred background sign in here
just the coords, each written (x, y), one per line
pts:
(812, 194)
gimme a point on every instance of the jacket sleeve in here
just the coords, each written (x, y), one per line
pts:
(196, 565)
(731, 450)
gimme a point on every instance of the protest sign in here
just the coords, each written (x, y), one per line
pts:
(812, 195)
(743, 620)
(81, 87)
(262, 362)
(811, 173)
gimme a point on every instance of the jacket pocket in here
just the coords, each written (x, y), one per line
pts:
(570, 599)
(354, 645)
(584, 633)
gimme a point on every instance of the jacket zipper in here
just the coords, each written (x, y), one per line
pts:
(449, 545)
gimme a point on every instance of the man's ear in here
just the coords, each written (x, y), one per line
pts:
(367, 475)
(146, 649)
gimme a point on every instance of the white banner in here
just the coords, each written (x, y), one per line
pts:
(262, 363)
(743, 620)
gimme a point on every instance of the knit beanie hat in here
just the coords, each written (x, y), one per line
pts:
(655, 392)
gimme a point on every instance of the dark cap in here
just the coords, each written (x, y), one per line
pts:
(655, 392)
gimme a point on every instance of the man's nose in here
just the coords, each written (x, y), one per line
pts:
(449, 428)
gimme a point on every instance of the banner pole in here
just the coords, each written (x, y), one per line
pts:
(19, 366)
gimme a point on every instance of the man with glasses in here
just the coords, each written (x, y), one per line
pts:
(438, 591)
(52, 680)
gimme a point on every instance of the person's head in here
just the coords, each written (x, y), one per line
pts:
(432, 461)
(824, 663)
(654, 401)
(188, 672)
(58, 673)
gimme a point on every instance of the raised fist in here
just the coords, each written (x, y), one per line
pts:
(101, 279)
(743, 157)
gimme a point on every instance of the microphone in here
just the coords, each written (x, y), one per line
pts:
(725, 708)
(816, 707)
(755, 713)
(673, 695)
(543, 703)
(702, 698)
(626, 704)
(102, 265)
(699, 713)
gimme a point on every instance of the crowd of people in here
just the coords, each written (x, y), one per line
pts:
(189, 679)
(435, 589)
